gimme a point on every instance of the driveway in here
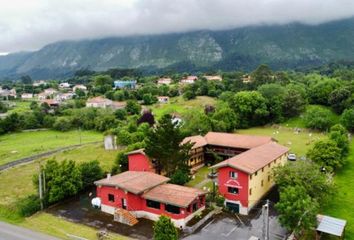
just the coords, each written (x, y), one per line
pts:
(12, 232)
(227, 226)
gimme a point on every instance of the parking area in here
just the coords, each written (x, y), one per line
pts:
(228, 226)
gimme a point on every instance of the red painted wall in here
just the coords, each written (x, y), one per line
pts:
(241, 182)
(137, 203)
(140, 162)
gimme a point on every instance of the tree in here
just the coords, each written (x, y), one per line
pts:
(180, 177)
(133, 107)
(347, 119)
(327, 154)
(251, 108)
(294, 100)
(297, 211)
(3, 107)
(163, 144)
(320, 91)
(121, 114)
(26, 79)
(339, 99)
(62, 124)
(147, 117)
(189, 94)
(149, 99)
(196, 123)
(305, 174)
(275, 96)
(90, 172)
(318, 118)
(121, 163)
(263, 74)
(224, 119)
(340, 136)
(164, 229)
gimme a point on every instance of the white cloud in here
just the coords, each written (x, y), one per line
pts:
(30, 24)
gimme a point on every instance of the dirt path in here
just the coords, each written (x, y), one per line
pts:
(37, 156)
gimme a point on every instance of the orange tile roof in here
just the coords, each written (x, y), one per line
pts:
(98, 99)
(255, 158)
(173, 194)
(134, 181)
(199, 141)
(235, 140)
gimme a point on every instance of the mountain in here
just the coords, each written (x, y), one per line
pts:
(280, 46)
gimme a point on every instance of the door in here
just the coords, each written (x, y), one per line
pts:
(124, 203)
(233, 207)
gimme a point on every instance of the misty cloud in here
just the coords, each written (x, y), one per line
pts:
(30, 24)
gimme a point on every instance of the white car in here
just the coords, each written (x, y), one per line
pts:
(292, 157)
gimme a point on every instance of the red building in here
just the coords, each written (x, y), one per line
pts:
(143, 194)
(245, 178)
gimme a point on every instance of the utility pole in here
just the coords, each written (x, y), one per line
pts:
(80, 134)
(40, 187)
(265, 213)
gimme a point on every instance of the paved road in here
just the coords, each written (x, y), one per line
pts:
(12, 232)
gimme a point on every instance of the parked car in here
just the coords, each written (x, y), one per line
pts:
(292, 157)
(212, 175)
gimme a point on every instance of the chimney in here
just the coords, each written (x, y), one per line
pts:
(108, 176)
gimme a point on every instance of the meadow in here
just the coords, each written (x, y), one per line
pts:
(24, 144)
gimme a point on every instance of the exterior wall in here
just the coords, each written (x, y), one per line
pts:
(256, 188)
(140, 162)
(196, 157)
(224, 181)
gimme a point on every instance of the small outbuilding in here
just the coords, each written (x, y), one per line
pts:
(331, 226)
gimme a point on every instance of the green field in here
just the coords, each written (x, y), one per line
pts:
(24, 144)
(342, 204)
(20, 106)
(298, 143)
(181, 106)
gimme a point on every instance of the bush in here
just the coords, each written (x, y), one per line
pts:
(180, 177)
(90, 172)
(219, 200)
(318, 118)
(347, 119)
(62, 124)
(164, 229)
(28, 206)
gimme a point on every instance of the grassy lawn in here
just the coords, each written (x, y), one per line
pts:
(181, 106)
(199, 176)
(25, 144)
(12, 189)
(58, 227)
(342, 205)
(20, 106)
(298, 143)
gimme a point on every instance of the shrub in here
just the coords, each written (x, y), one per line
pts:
(164, 229)
(219, 200)
(62, 124)
(318, 118)
(180, 177)
(28, 206)
(347, 119)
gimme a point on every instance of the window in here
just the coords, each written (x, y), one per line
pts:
(255, 173)
(251, 177)
(262, 183)
(194, 207)
(172, 209)
(232, 190)
(263, 169)
(268, 178)
(152, 204)
(233, 174)
(250, 191)
(111, 197)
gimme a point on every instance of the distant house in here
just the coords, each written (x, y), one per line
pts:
(189, 80)
(213, 78)
(64, 85)
(27, 95)
(64, 96)
(38, 83)
(162, 81)
(47, 93)
(79, 86)
(246, 78)
(120, 84)
(163, 99)
(8, 93)
(51, 102)
(101, 102)
(50, 91)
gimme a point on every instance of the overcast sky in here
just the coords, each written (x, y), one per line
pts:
(30, 24)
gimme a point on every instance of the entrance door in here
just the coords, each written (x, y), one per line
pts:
(233, 207)
(124, 203)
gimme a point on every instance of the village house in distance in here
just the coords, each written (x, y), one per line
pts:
(244, 176)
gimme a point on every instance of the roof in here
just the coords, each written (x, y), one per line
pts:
(134, 181)
(119, 104)
(255, 158)
(141, 151)
(331, 225)
(235, 140)
(199, 141)
(98, 99)
(213, 77)
(173, 194)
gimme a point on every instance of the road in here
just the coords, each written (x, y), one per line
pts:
(12, 232)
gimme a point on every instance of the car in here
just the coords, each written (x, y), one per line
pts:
(292, 157)
(212, 175)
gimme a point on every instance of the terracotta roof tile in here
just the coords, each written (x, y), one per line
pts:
(199, 141)
(255, 158)
(235, 140)
(173, 194)
(134, 181)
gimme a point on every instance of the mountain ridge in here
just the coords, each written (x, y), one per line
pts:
(280, 46)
